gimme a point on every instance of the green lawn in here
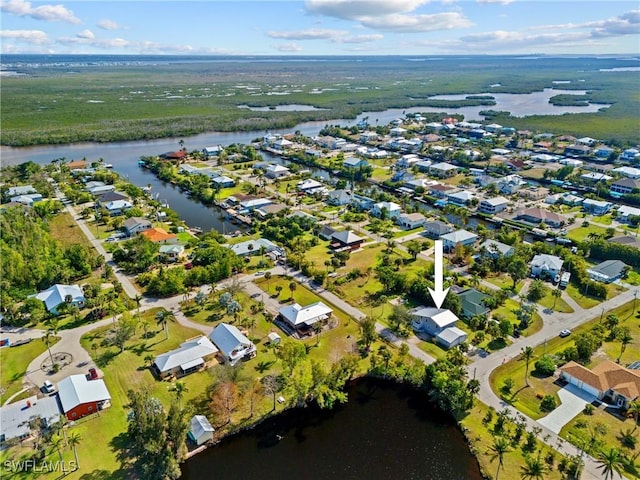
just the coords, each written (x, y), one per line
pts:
(504, 282)
(603, 219)
(404, 233)
(587, 301)
(14, 362)
(633, 277)
(65, 229)
(579, 234)
(558, 304)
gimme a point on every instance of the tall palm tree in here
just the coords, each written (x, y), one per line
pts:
(138, 299)
(533, 468)
(499, 448)
(292, 288)
(56, 442)
(74, 441)
(179, 388)
(163, 317)
(625, 339)
(610, 463)
(47, 339)
(527, 355)
(557, 293)
(267, 277)
(634, 410)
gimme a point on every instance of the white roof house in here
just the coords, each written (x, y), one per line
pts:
(190, 355)
(297, 315)
(275, 171)
(15, 417)
(497, 249)
(20, 190)
(459, 237)
(450, 337)
(76, 390)
(629, 172)
(201, 430)
(432, 320)
(233, 345)
(252, 247)
(56, 294)
(308, 184)
(546, 265)
(392, 209)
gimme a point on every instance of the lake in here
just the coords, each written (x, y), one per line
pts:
(384, 431)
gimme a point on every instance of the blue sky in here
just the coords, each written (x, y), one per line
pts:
(321, 27)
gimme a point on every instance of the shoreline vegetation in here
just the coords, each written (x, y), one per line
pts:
(191, 98)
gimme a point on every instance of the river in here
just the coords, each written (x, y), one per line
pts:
(384, 431)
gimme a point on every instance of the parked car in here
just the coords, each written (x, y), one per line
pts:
(93, 374)
(48, 387)
(188, 266)
(565, 333)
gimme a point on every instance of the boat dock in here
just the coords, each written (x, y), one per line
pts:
(235, 217)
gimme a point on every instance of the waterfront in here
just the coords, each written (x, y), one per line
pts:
(392, 424)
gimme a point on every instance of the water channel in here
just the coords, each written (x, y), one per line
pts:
(384, 431)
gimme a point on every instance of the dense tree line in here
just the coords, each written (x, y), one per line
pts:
(603, 250)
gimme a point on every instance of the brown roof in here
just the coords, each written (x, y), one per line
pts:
(76, 164)
(542, 214)
(158, 234)
(607, 375)
(442, 188)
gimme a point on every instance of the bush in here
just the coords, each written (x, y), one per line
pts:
(588, 409)
(548, 403)
(546, 366)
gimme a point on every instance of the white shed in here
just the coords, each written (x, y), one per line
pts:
(201, 430)
(274, 338)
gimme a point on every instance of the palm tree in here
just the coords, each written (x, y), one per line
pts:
(634, 410)
(47, 339)
(533, 468)
(557, 293)
(610, 463)
(56, 442)
(179, 388)
(163, 317)
(499, 448)
(292, 288)
(74, 441)
(625, 339)
(267, 277)
(527, 355)
(138, 299)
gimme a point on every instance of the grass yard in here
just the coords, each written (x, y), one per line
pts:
(404, 233)
(64, 229)
(603, 219)
(504, 282)
(481, 437)
(580, 234)
(508, 311)
(14, 362)
(587, 301)
(558, 304)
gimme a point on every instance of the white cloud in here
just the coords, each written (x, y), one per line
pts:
(500, 2)
(49, 13)
(417, 23)
(86, 34)
(626, 24)
(106, 24)
(354, 10)
(36, 37)
(361, 38)
(309, 34)
(288, 47)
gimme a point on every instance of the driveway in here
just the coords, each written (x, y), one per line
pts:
(573, 402)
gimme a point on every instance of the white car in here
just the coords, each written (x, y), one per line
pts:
(565, 333)
(48, 386)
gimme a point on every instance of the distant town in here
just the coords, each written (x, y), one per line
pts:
(124, 324)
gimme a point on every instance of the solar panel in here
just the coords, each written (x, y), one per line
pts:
(634, 366)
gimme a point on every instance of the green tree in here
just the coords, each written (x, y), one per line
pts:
(517, 270)
(163, 317)
(498, 450)
(533, 468)
(526, 355)
(292, 288)
(74, 440)
(537, 291)
(138, 299)
(367, 332)
(179, 388)
(123, 331)
(611, 462)
(557, 293)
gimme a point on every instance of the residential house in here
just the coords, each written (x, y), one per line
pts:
(233, 345)
(28, 199)
(471, 301)
(586, 141)
(274, 170)
(624, 186)
(439, 323)
(200, 431)
(410, 221)
(77, 165)
(117, 207)
(246, 206)
(495, 249)
(332, 143)
(270, 210)
(171, 253)
(361, 202)
(546, 266)
(576, 150)
(223, 182)
(177, 155)
(608, 271)
(58, 294)
(407, 161)
(459, 237)
(624, 214)
(629, 172)
(160, 236)
(436, 229)
(302, 318)
(626, 240)
(441, 191)
(603, 152)
(101, 189)
(443, 170)
(213, 151)
(17, 419)
(534, 193)
(493, 128)
(339, 197)
(423, 165)
(20, 190)
(608, 381)
(397, 131)
(462, 198)
(393, 210)
(595, 177)
(511, 184)
(135, 225)
(537, 216)
(107, 197)
(494, 205)
(80, 396)
(253, 247)
(326, 232)
(346, 240)
(423, 183)
(312, 187)
(630, 155)
(368, 136)
(192, 355)
(355, 163)
(596, 207)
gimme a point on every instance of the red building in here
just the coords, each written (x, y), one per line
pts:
(80, 397)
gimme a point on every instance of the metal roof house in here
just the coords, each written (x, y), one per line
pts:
(58, 294)
(233, 345)
(190, 356)
(80, 397)
(302, 318)
(201, 430)
(608, 271)
(15, 417)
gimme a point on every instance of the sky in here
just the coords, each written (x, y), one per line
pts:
(320, 27)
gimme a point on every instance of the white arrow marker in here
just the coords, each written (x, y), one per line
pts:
(438, 294)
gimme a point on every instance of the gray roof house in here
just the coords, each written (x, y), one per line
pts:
(20, 190)
(459, 237)
(191, 355)
(135, 225)
(15, 417)
(201, 430)
(608, 271)
(544, 265)
(233, 345)
(252, 247)
(436, 229)
(497, 249)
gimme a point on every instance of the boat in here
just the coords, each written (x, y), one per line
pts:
(108, 165)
